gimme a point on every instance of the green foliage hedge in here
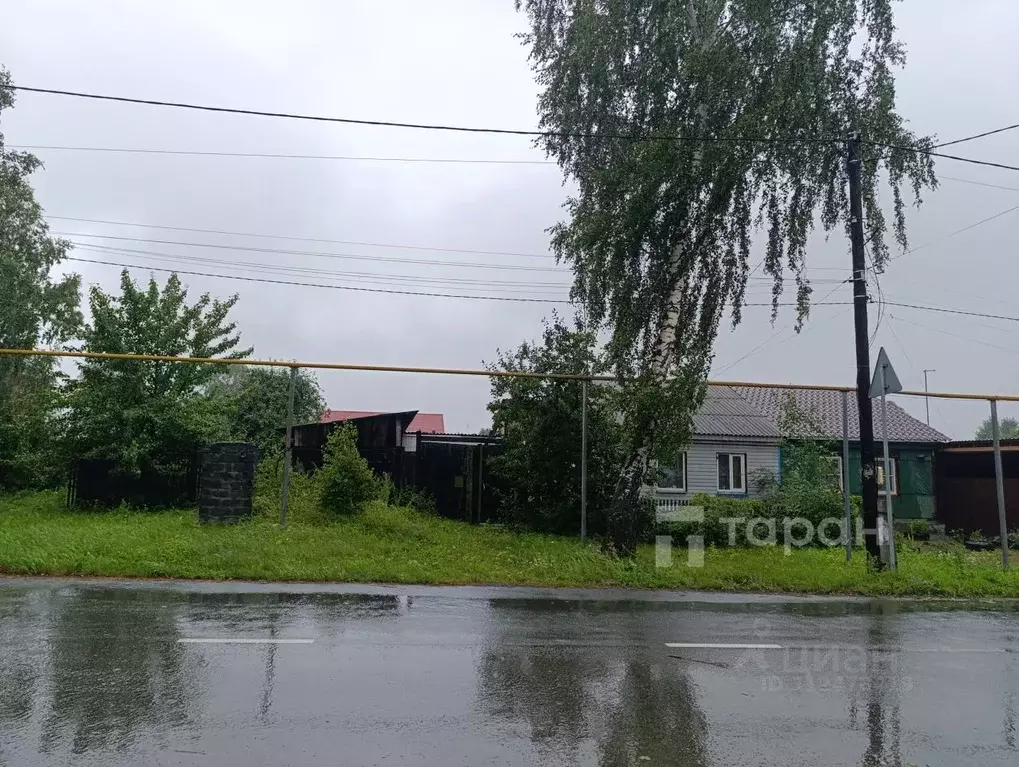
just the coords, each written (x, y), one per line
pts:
(767, 511)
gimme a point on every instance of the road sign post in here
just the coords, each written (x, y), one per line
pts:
(847, 503)
(886, 382)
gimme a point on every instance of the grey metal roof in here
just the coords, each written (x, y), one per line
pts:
(726, 413)
(760, 410)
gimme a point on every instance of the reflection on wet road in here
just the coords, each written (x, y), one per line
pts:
(113, 674)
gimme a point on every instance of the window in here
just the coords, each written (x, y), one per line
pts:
(673, 476)
(837, 476)
(732, 471)
(880, 466)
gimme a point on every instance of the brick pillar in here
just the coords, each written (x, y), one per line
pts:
(228, 482)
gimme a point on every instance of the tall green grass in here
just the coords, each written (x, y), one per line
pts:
(38, 536)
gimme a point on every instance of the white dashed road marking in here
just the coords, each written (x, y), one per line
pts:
(241, 640)
(722, 646)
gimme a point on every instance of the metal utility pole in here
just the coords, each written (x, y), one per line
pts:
(999, 482)
(288, 459)
(890, 478)
(926, 400)
(863, 402)
(583, 461)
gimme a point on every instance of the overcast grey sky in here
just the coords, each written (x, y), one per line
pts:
(457, 62)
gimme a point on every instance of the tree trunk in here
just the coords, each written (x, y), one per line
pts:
(627, 522)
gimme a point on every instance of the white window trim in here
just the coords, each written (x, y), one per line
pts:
(880, 461)
(842, 472)
(742, 490)
(677, 490)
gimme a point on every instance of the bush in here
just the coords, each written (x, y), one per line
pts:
(715, 529)
(345, 482)
(536, 473)
(919, 529)
(411, 497)
(302, 503)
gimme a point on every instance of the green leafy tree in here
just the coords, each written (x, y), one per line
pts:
(150, 413)
(740, 108)
(346, 482)
(538, 471)
(35, 309)
(255, 399)
(1008, 428)
(810, 486)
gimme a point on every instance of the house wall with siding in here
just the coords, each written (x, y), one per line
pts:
(702, 466)
(915, 499)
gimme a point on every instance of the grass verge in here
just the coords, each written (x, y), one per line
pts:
(38, 536)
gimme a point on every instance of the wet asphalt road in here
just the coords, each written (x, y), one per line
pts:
(120, 674)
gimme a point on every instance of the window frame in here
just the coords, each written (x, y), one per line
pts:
(879, 462)
(840, 467)
(742, 490)
(680, 463)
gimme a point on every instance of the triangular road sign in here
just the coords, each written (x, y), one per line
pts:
(891, 380)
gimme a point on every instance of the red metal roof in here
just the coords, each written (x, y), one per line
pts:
(427, 423)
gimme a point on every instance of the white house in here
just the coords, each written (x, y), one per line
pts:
(732, 442)
(736, 436)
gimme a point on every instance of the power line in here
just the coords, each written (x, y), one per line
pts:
(880, 296)
(502, 298)
(956, 293)
(416, 126)
(300, 239)
(359, 158)
(317, 285)
(932, 153)
(956, 335)
(499, 286)
(504, 131)
(299, 270)
(957, 231)
(777, 333)
(978, 183)
(979, 135)
(318, 254)
(367, 290)
(823, 302)
(962, 312)
(269, 155)
(349, 242)
(902, 347)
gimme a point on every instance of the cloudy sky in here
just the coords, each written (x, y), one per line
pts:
(458, 62)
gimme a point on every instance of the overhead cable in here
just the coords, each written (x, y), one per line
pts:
(416, 126)
(318, 254)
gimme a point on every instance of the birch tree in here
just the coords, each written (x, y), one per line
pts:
(38, 307)
(689, 126)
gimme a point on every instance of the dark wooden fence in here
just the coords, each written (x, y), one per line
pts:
(966, 493)
(454, 470)
(451, 468)
(99, 483)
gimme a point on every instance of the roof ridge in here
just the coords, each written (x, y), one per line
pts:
(821, 401)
